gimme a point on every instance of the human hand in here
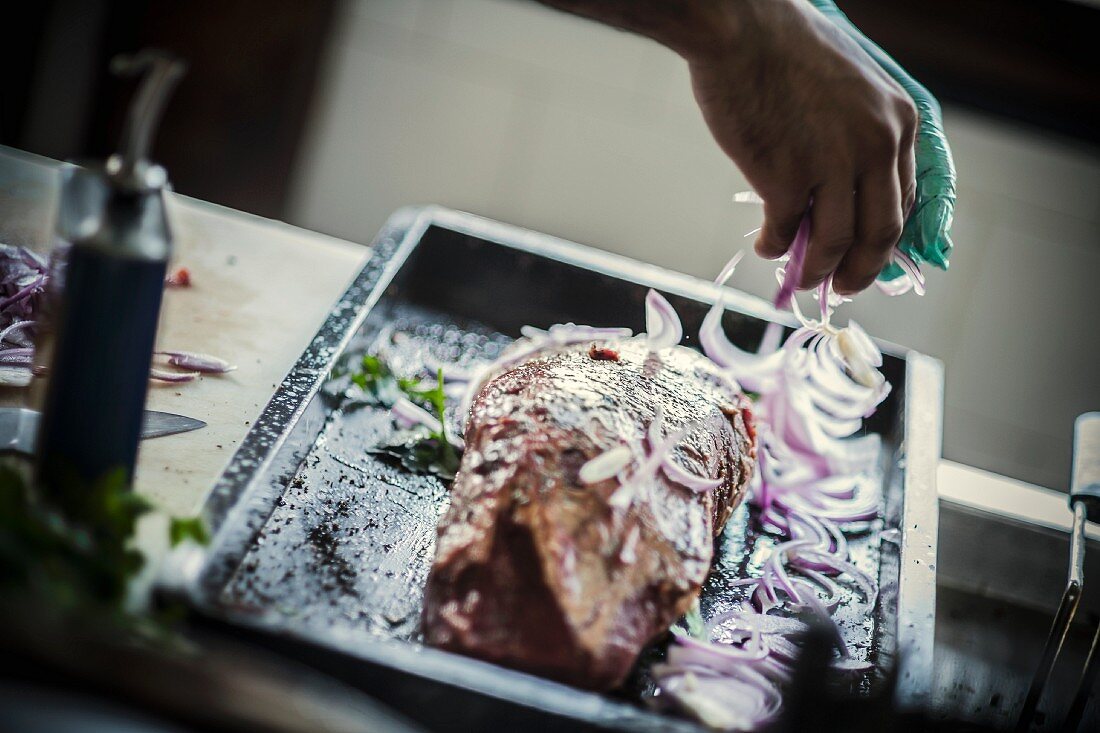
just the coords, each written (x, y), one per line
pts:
(808, 116)
(927, 233)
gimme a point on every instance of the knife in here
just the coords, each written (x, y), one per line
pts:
(19, 427)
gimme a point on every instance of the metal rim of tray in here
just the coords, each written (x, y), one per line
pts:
(239, 488)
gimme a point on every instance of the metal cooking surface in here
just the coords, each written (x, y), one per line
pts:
(351, 541)
(986, 652)
(322, 549)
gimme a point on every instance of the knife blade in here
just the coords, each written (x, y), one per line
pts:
(19, 427)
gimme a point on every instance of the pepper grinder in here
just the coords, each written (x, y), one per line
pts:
(114, 234)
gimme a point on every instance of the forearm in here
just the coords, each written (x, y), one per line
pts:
(688, 27)
(821, 132)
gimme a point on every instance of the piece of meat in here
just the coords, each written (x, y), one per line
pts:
(534, 569)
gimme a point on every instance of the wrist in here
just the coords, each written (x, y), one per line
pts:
(710, 29)
(695, 29)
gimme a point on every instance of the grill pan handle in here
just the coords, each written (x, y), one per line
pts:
(1085, 484)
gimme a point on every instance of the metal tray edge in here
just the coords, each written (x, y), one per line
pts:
(916, 619)
(181, 573)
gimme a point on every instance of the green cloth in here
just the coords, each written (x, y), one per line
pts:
(926, 237)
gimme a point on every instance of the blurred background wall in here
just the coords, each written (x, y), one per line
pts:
(333, 115)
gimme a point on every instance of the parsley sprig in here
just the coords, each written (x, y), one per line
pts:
(417, 449)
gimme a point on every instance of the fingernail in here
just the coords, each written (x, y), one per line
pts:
(768, 251)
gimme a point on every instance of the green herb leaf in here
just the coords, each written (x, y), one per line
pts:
(188, 528)
(419, 450)
(693, 622)
(377, 381)
(69, 550)
(432, 398)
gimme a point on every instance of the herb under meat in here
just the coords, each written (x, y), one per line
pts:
(693, 622)
(419, 448)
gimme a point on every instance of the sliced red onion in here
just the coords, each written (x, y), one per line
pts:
(721, 702)
(738, 582)
(806, 527)
(839, 401)
(454, 390)
(763, 597)
(793, 270)
(20, 356)
(783, 652)
(794, 422)
(204, 363)
(32, 259)
(627, 552)
(571, 333)
(663, 328)
(632, 483)
(837, 511)
(814, 325)
(751, 371)
(912, 270)
(811, 602)
(534, 340)
(679, 475)
(815, 391)
(835, 393)
(760, 622)
(16, 327)
(728, 269)
(827, 584)
(12, 376)
(863, 342)
(743, 670)
(783, 469)
(163, 375)
(838, 543)
(773, 335)
(16, 352)
(741, 697)
(775, 567)
(531, 332)
(747, 197)
(454, 373)
(708, 652)
(836, 487)
(859, 366)
(623, 497)
(35, 285)
(408, 414)
(773, 520)
(863, 581)
(561, 334)
(897, 286)
(661, 447)
(606, 465)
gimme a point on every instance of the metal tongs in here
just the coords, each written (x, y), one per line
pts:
(1084, 500)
